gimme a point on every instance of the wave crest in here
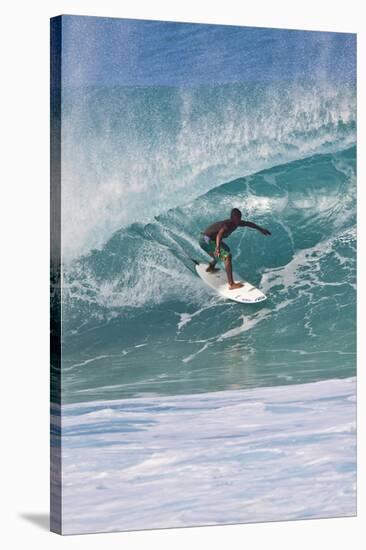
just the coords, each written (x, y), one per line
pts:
(130, 153)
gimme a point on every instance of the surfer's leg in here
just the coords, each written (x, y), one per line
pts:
(229, 273)
(229, 269)
(211, 268)
(208, 245)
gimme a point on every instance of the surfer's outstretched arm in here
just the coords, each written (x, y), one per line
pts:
(255, 226)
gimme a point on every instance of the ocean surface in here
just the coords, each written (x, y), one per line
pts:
(208, 411)
(266, 454)
(137, 320)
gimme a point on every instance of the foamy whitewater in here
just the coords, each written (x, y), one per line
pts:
(178, 407)
(241, 456)
(162, 146)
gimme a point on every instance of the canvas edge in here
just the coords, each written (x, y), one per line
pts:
(55, 275)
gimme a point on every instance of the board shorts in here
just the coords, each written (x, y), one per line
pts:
(209, 246)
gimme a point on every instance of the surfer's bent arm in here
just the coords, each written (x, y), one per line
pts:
(255, 226)
(218, 240)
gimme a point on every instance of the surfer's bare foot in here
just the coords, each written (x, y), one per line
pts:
(212, 269)
(233, 286)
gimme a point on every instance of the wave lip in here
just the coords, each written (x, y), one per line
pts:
(131, 152)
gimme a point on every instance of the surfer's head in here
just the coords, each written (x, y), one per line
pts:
(235, 216)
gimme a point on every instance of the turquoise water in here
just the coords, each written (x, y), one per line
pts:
(137, 320)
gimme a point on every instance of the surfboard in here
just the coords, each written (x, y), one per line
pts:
(248, 294)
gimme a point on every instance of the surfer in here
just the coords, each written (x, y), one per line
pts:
(212, 243)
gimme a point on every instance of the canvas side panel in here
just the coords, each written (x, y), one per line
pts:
(55, 276)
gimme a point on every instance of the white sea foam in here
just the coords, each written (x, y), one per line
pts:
(115, 173)
(264, 454)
